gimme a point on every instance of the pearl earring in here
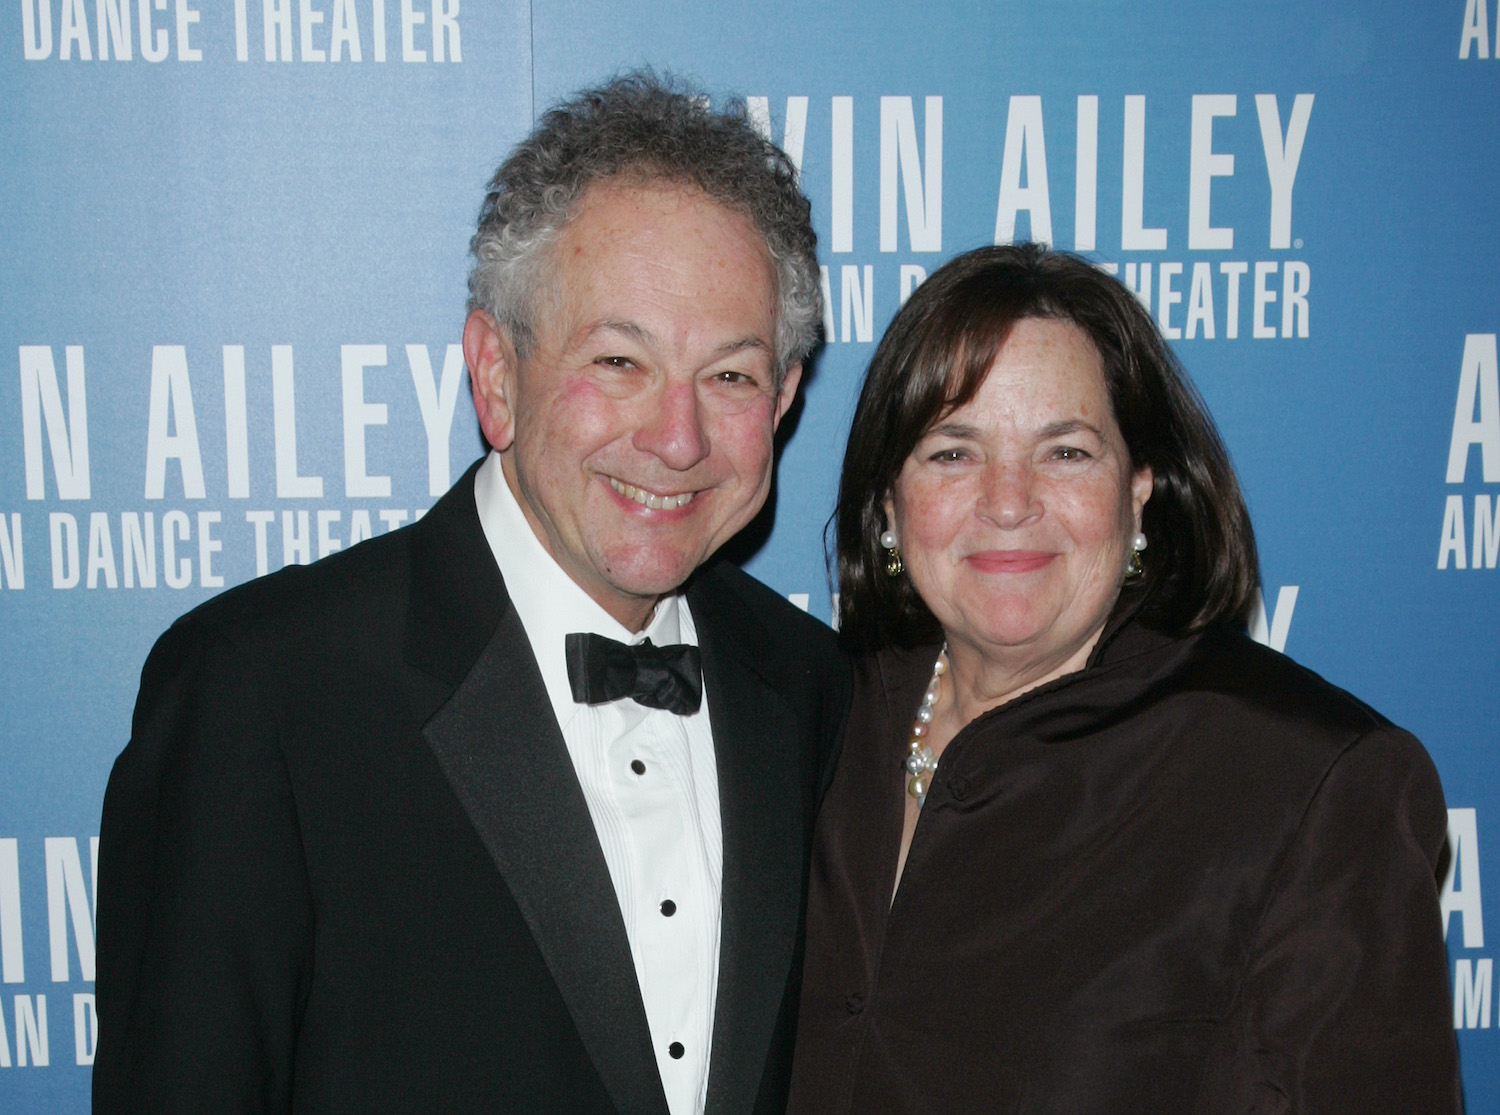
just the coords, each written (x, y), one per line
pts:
(1134, 567)
(894, 566)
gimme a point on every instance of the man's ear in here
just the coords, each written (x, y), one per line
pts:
(787, 393)
(491, 359)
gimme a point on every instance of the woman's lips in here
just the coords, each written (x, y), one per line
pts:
(1010, 561)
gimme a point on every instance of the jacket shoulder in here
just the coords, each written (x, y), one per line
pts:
(338, 607)
(782, 620)
(1285, 700)
(799, 656)
(1246, 668)
(306, 594)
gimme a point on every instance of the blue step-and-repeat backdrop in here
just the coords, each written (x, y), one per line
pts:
(232, 283)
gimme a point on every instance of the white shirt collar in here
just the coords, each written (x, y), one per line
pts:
(549, 603)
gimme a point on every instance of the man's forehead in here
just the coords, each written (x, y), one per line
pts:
(634, 253)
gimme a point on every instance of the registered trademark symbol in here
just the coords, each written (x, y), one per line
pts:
(1297, 243)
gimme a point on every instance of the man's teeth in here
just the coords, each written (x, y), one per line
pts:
(651, 499)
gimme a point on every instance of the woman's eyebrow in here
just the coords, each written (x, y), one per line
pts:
(1068, 426)
(953, 429)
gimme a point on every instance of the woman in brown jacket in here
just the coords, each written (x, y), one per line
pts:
(1089, 848)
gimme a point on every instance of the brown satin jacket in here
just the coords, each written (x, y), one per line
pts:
(1191, 877)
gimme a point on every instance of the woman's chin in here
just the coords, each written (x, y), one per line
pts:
(1000, 634)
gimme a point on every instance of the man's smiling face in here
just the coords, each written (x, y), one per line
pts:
(637, 434)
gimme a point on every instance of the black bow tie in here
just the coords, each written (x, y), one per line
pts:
(602, 669)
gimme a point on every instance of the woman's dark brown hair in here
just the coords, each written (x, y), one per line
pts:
(1201, 565)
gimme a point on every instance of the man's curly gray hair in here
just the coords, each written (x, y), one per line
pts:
(641, 128)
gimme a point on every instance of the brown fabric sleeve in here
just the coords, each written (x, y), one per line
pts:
(1345, 1005)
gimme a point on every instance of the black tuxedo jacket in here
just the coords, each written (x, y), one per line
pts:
(345, 863)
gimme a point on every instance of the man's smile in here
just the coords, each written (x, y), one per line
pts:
(651, 499)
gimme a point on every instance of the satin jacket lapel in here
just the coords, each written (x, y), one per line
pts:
(499, 745)
(760, 802)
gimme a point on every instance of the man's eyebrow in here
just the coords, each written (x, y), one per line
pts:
(742, 344)
(634, 330)
(643, 336)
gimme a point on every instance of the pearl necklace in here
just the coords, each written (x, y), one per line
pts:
(920, 761)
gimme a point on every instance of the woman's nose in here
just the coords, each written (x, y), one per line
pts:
(1008, 495)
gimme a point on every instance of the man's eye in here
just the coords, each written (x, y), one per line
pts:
(616, 361)
(733, 377)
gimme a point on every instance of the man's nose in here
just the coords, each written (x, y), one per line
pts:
(673, 430)
(1008, 495)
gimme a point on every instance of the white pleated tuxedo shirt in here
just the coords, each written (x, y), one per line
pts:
(652, 789)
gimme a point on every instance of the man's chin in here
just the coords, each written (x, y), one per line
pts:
(655, 577)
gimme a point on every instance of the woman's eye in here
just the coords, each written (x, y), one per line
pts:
(616, 361)
(948, 455)
(1069, 453)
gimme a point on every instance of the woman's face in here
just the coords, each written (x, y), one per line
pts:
(1015, 513)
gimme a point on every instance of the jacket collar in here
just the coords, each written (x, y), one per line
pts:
(760, 767)
(497, 726)
(1124, 635)
(905, 671)
(457, 596)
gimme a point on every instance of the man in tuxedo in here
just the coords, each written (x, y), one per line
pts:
(510, 810)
